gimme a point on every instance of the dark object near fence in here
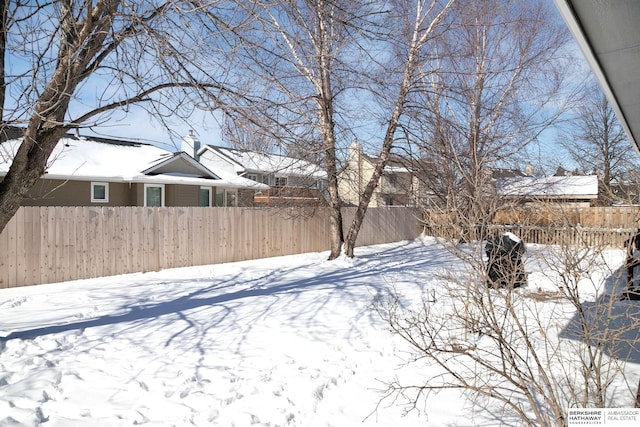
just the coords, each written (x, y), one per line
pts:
(632, 291)
(505, 268)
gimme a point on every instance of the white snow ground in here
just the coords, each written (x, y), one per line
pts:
(288, 341)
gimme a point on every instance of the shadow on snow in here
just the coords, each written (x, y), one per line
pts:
(609, 322)
(343, 280)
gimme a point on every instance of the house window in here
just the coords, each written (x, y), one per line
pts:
(99, 192)
(281, 181)
(154, 195)
(253, 177)
(205, 196)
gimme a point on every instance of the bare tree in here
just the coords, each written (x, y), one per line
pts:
(501, 71)
(598, 144)
(246, 135)
(76, 62)
(288, 71)
(319, 62)
(418, 24)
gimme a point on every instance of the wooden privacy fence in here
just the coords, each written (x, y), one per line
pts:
(54, 244)
(590, 217)
(595, 226)
(548, 235)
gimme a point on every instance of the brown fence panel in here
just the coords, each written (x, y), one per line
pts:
(385, 224)
(53, 244)
(602, 217)
(594, 226)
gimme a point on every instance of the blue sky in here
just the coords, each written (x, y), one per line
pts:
(139, 125)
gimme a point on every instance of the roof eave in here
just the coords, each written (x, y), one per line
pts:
(184, 156)
(216, 151)
(573, 22)
(156, 179)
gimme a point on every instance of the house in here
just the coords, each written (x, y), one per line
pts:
(92, 171)
(290, 181)
(570, 191)
(396, 187)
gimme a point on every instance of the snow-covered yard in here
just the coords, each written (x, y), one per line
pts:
(288, 341)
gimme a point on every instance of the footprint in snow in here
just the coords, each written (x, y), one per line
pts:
(14, 302)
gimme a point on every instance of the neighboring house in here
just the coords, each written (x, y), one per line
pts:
(396, 187)
(570, 191)
(619, 192)
(291, 181)
(107, 172)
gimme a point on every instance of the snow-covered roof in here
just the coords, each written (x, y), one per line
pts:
(99, 159)
(395, 169)
(245, 161)
(550, 187)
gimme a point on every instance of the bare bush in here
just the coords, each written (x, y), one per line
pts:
(529, 352)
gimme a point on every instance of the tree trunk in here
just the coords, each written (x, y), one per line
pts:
(43, 132)
(325, 104)
(4, 6)
(79, 42)
(335, 204)
(27, 167)
(358, 219)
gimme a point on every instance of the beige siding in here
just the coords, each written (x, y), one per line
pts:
(394, 187)
(182, 195)
(53, 192)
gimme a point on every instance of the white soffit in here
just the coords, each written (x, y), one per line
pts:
(608, 34)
